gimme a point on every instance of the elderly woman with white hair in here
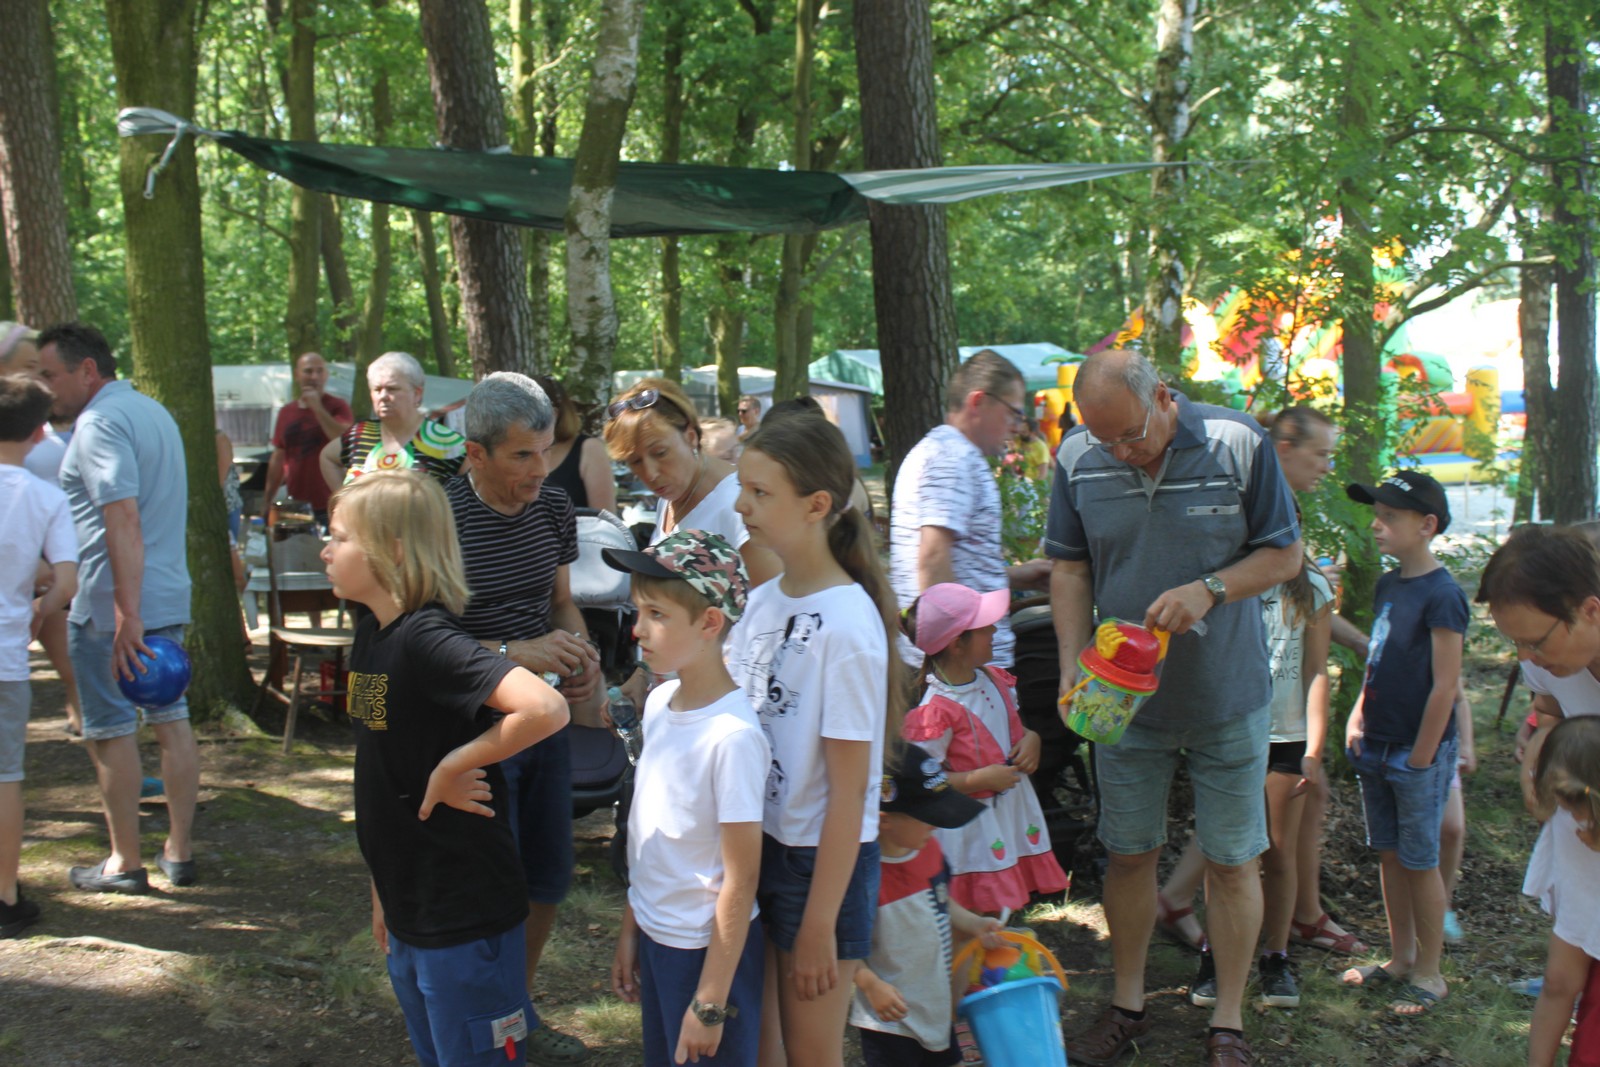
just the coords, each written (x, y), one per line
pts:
(397, 437)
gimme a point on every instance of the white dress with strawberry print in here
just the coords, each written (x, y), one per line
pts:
(1003, 855)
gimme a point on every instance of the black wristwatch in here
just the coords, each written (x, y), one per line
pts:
(1219, 591)
(712, 1014)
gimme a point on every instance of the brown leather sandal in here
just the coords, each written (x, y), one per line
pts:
(1111, 1035)
(1226, 1050)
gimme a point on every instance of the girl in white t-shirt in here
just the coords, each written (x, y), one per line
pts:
(812, 654)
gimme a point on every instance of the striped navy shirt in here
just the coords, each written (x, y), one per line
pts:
(511, 560)
(1220, 495)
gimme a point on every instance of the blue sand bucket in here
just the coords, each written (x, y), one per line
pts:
(1017, 1024)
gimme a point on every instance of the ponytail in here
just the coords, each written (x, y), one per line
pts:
(814, 455)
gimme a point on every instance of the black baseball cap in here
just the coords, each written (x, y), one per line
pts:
(1407, 490)
(914, 784)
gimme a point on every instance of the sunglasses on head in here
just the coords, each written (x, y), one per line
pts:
(644, 398)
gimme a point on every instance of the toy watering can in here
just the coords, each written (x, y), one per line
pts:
(1121, 669)
(1011, 1001)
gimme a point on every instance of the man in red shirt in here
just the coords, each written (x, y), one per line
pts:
(304, 426)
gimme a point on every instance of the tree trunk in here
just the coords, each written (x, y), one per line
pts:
(538, 32)
(433, 290)
(1571, 485)
(1169, 126)
(1533, 326)
(346, 315)
(305, 213)
(8, 310)
(369, 335)
(471, 117)
(591, 305)
(910, 245)
(727, 329)
(153, 45)
(672, 110)
(792, 379)
(1365, 426)
(32, 201)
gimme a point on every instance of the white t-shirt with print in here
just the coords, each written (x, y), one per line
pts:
(1286, 655)
(812, 667)
(946, 482)
(714, 514)
(699, 769)
(38, 524)
(1563, 872)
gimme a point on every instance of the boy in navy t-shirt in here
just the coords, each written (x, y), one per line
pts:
(1401, 737)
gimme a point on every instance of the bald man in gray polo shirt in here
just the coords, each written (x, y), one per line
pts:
(1168, 512)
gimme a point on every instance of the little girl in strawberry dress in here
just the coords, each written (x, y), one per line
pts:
(968, 720)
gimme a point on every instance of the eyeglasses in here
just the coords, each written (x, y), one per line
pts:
(1533, 647)
(644, 398)
(1108, 445)
(1016, 413)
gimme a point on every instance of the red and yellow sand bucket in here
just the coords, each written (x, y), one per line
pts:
(1121, 669)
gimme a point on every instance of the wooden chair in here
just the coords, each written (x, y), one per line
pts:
(293, 561)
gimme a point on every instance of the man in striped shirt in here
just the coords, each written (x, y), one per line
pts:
(518, 538)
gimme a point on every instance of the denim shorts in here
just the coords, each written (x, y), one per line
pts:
(462, 1003)
(539, 798)
(106, 712)
(15, 699)
(1228, 766)
(1404, 805)
(786, 872)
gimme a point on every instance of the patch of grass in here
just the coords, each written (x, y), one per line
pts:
(10, 1037)
(612, 1021)
(62, 849)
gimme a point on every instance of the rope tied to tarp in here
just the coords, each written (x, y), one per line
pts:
(141, 121)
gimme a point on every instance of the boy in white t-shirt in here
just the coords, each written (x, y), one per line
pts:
(689, 951)
(38, 525)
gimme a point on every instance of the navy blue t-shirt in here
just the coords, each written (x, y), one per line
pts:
(1406, 611)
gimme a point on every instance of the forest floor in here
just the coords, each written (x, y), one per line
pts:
(269, 959)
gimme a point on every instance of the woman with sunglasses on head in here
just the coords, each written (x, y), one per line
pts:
(1543, 591)
(654, 428)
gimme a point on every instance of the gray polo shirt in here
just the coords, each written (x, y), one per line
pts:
(1220, 496)
(126, 445)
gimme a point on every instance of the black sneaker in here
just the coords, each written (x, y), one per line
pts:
(96, 880)
(1203, 990)
(1278, 988)
(14, 918)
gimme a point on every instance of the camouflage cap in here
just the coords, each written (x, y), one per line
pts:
(711, 565)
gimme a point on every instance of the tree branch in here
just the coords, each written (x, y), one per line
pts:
(1496, 137)
(282, 235)
(1466, 285)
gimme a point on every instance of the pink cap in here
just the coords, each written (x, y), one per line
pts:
(947, 610)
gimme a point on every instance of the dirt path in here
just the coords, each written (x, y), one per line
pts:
(269, 959)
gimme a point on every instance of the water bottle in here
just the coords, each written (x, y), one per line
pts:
(625, 717)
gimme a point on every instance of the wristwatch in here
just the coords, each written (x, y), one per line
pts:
(505, 646)
(712, 1014)
(1219, 591)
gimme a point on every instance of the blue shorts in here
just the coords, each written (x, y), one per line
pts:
(106, 712)
(786, 872)
(15, 700)
(1228, 766)
(1404, 805)
(539, 799)
(668, 978)
(462, 1003)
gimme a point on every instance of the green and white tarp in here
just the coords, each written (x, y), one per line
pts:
(861, 366)
(651, 199)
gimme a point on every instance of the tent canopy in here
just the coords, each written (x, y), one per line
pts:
(862, 366)
(650, 199)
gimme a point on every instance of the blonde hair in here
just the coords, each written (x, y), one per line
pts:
(1569, 768)
(816, 458)
(673, 409)
(405, 509)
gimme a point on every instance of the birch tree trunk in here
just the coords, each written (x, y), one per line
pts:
(910, 245)
(591, 306)
(1169, 126)
(32, 201)
(471, 117)
(153, 45)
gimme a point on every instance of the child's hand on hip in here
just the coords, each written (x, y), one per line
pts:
(465, 790)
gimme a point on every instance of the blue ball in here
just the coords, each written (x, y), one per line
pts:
(166, 678)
